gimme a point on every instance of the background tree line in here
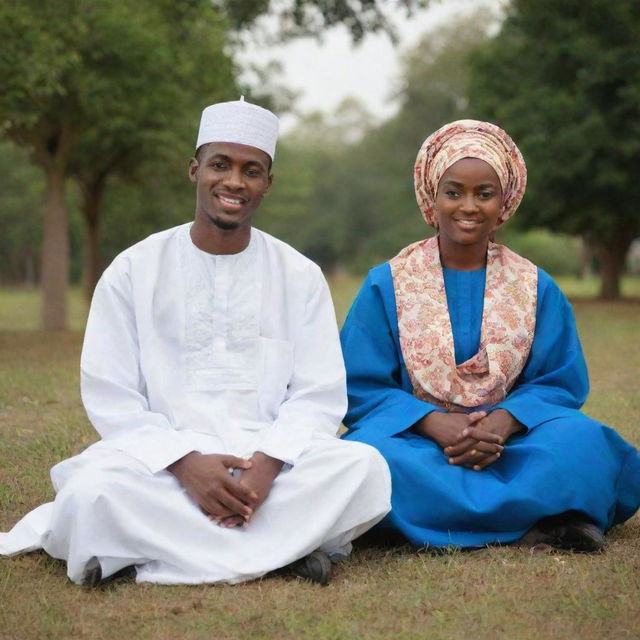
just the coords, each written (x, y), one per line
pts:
(562, 78)
(104, 98)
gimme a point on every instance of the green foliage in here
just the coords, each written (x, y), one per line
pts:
(22, 186)
(564, 79)
(162, 198)
(20, 220)
(84, 62)
(556, 253)
(111, 93)
(311, 17)
(299, 208)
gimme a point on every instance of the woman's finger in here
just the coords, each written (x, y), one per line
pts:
(460, 447)
(470, 458)
(470, 443)
(475, 416)
(479, 466)
(481, 434)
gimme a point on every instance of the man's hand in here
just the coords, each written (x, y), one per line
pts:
(207, 480)
(258, 479)
(473, 446)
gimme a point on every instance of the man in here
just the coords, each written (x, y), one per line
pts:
(212, 370)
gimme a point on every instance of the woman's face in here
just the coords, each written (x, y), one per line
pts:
(468, 203)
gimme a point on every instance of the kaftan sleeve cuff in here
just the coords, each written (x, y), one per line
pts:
(531, 411)
(155, 447)
(285, 442)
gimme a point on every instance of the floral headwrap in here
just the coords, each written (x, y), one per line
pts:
(469, 139)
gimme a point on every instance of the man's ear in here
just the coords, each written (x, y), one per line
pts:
(269, 183)
(193, 170)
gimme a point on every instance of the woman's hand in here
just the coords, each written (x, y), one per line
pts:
(474, 446)
(445, 428)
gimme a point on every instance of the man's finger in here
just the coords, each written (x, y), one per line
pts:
(239, 490)
(221, 496)
(231, 522)
(233, 462)
(217, 513)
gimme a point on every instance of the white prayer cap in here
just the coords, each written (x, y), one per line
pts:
(240, 122)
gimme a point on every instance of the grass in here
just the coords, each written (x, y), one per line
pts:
(378, 593)
(590, 287)
(20, 309)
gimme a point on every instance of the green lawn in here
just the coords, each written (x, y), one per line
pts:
(378, 593)
(20, 308)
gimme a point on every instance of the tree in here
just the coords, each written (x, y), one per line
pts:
(146, 130)
(563, 78)
(85, 77)
(87, 85)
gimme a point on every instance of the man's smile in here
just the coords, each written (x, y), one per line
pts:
(231, 202)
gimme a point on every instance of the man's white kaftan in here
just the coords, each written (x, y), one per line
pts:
(188, 351)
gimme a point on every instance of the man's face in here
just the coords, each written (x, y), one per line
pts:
(231, 180)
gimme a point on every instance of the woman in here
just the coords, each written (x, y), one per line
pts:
(465, 370)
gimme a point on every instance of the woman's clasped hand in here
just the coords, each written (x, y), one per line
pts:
(473, 440)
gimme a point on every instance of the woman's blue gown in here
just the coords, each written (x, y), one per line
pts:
(565, 461)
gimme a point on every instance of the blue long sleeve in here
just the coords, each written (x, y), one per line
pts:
(554, 381)
(380, 392)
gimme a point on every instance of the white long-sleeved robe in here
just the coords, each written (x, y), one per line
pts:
(187, 351)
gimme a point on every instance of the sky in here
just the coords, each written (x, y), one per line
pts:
(326, 72)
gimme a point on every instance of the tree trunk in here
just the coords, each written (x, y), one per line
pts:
(586, 258)
(612, 253)
(91, 206)
(54, 276)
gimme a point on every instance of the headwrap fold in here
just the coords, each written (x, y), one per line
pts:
(469, 139)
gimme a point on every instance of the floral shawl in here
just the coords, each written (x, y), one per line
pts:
(426, 338)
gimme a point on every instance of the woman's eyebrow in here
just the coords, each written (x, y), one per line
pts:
(461, 184)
